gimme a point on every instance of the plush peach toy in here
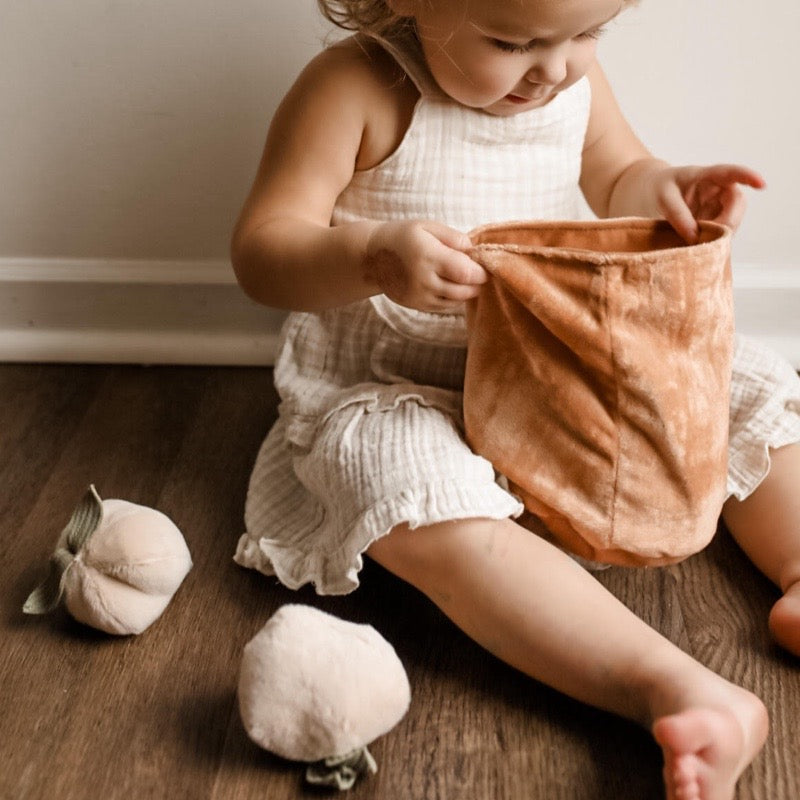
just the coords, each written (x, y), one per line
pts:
(315, 688)
(116, 566)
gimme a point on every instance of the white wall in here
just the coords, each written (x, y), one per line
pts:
(131, 129)
(706, 81)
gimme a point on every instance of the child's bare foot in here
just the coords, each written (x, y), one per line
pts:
(707, 749)
(784, 619)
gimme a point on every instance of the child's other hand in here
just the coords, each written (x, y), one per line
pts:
(421, 264)
(688, 194)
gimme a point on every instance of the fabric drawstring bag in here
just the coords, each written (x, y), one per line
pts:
(597, 381)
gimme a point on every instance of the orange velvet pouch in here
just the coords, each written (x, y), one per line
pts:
(597, 380)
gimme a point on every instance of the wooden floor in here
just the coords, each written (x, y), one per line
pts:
(85, 715)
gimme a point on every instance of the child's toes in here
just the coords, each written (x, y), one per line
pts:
(784, 620)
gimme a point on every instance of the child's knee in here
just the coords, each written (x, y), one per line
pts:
(426, 555)
(405, 552)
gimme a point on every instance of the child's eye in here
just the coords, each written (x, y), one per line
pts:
(595, 33)
(511, 47)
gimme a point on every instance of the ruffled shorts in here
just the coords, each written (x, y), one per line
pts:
(370, 435)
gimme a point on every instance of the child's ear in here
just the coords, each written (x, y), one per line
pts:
(403, 8)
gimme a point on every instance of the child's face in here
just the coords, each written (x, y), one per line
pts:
(508, 56)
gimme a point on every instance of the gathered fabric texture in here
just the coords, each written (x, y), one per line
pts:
(598, 381)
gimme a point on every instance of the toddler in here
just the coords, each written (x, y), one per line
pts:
(435, 117)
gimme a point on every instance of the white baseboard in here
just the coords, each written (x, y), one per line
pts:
(192, 312)
(138, 347)
(125, 271)
(141, 312)
(767, 302)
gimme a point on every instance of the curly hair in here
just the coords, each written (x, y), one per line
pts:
(373, 16)
(368, 16)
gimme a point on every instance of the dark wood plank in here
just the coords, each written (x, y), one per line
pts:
(84, 715)
(726, 603)
(159, 702)
(41, 408)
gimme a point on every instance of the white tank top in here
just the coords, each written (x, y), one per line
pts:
(466, 168)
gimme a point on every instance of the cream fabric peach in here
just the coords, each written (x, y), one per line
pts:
(597, 381)
(116, 566)
(316, 688)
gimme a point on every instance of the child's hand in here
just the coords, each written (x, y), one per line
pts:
(421, 264)
(687, 194)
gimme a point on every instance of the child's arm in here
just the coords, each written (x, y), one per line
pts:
(620, 177)
(284, 251)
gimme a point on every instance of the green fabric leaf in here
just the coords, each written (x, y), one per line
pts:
(45, 597)
(341, 772)
(84, 521)
(82, 524)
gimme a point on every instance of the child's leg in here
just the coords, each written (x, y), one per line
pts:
(767, 527)
(535, 608)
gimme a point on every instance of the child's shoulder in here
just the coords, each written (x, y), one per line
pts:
(358, 76)
(358, 61)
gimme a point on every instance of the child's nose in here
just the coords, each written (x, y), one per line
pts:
(550, 67)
